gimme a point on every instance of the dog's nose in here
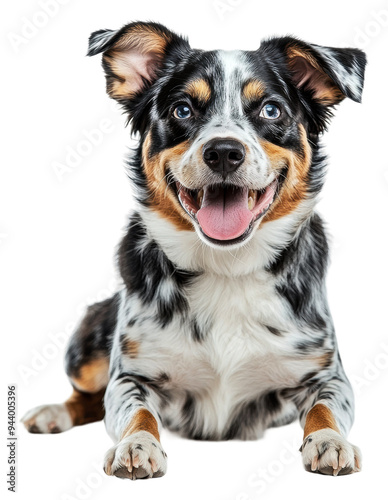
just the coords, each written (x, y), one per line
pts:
(223, 155)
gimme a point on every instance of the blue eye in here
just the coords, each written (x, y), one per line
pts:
(182, 112)
(270, 111)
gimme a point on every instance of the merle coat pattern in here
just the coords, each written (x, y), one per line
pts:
(221, 328)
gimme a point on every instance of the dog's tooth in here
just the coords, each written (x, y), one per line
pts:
(252, 193)
(200, 198)
(252, 198)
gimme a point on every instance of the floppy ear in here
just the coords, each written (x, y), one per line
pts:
(132, 56)
(329, 74)
(326, 74)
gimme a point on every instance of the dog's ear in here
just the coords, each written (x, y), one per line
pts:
(133, 55)
(327, 74)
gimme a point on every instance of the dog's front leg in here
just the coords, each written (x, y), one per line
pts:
(327, 415)
(132, 420)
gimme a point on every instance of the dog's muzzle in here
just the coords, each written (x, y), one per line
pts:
(223, 156)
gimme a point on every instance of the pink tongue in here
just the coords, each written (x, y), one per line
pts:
(224, 213)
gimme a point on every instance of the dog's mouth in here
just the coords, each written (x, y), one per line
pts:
(224, 213)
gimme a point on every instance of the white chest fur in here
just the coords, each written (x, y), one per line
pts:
(232, 302)
(238, 359)
(241, 352)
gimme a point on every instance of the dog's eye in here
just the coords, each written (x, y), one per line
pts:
(182, 112)
(270, 111)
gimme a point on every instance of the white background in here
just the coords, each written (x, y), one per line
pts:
(58, 239)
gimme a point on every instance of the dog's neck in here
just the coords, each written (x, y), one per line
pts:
(186, 251)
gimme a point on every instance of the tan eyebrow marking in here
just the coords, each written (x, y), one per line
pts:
(253, 90)
(199, 89)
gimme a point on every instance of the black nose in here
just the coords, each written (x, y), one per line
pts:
(223, 155)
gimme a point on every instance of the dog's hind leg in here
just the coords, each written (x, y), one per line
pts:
(87, 366)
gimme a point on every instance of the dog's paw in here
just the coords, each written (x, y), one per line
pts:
(47, 419)
(327, 452)
(138, 456)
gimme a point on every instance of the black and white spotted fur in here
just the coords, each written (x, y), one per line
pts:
(230, 341)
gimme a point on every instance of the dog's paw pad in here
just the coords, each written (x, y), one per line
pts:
(327, 452)
(47, 419)
(138, 456)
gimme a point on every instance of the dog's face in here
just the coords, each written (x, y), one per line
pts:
(227, 138)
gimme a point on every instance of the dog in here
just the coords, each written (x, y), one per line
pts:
(221, 328)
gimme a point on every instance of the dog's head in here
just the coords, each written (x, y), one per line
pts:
(227, 138)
